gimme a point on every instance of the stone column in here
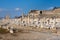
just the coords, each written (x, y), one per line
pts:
(28, 20)
(53, 28)
(41, 23)
(22, 18)
(53, 23)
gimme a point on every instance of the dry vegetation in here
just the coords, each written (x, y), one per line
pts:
(3, 31)
(29, 33)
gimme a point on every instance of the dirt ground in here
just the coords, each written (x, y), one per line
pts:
(30, 35)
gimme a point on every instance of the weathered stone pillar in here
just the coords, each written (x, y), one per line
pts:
(21, 22)
(41, 23)
(28, 20)
(22, 18)
(53, 28)
(53, 23)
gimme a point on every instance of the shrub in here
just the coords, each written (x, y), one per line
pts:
(3, 31)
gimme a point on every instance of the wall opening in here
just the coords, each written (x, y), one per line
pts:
(40, 12)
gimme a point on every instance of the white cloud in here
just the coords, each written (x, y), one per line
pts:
(50, 8)
(17, 9)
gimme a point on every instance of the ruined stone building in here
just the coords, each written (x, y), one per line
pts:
(36, 18)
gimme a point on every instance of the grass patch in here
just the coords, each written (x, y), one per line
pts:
(3, 31)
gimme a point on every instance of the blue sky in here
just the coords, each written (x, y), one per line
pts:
(16, 7)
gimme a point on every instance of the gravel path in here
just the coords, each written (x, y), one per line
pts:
(30, 36)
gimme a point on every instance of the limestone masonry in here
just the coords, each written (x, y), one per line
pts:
(35, 18)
